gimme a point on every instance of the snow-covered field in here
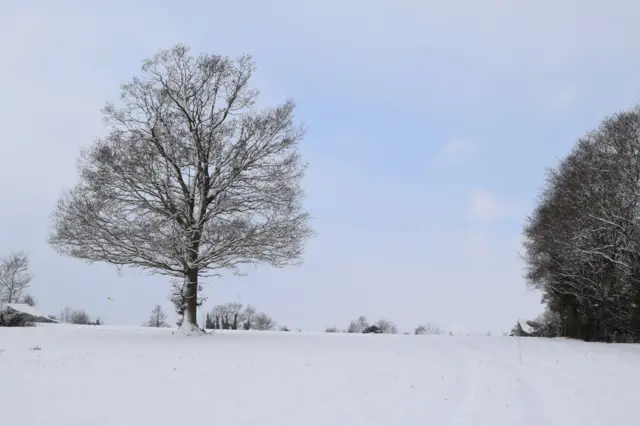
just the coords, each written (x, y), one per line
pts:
(62, 375)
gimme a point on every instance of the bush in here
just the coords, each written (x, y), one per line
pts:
(80, 317)
(372, 330)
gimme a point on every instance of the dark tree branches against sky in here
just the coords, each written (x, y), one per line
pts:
(192, 179)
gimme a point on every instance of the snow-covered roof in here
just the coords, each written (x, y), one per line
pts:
(29, 310)
(526, 327)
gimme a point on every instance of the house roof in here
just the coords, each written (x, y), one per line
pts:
(28, 310)
(527, 328)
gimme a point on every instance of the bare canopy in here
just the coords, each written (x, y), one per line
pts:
(14, 277)
(191, 178)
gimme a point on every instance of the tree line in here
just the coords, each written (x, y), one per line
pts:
(229, 316)
(383, 326)
(582, 240)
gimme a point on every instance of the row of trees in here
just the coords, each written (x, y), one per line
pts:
(235, 316)
(582, 241)
(76, 316)
(382, 326)
(229, 316)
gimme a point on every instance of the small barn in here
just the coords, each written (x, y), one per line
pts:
(29, 313)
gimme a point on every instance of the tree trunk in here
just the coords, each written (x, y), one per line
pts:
(573, 323)
(190, 292)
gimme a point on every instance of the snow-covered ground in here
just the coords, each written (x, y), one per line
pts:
(66, 375)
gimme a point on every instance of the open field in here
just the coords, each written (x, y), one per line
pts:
(67, 375)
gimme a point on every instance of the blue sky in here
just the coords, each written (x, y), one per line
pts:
(430, 125)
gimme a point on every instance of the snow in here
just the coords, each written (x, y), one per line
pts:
(189, 329)
(111, 376)
(526, 327)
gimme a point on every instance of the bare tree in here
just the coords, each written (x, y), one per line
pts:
(80, 317)
(66, 314)
(247, 317)
(263, 322)
(158, 317)
(431, 329)
(235, 314)
(358, 326)
(28, 299)
(192, 179)
(386, 327)
(14, 277)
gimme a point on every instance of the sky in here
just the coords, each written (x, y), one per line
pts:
(430, 125)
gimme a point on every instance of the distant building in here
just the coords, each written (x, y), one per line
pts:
(524, 330)
(29, 313)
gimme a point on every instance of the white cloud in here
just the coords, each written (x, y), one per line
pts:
(455, 151)
(486, 207)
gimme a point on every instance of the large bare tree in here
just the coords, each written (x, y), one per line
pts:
(191, 179)
(14, 277)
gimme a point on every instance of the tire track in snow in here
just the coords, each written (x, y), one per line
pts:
(501, 395)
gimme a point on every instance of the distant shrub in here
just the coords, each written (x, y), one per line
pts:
(373, 329)
(431, 329)
(331, 330)
(80, 317)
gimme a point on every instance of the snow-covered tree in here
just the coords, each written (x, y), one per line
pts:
(263, 322)
(386, 327)
(582, 241)
(192, 178)
(231, 316)
(359, 325)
